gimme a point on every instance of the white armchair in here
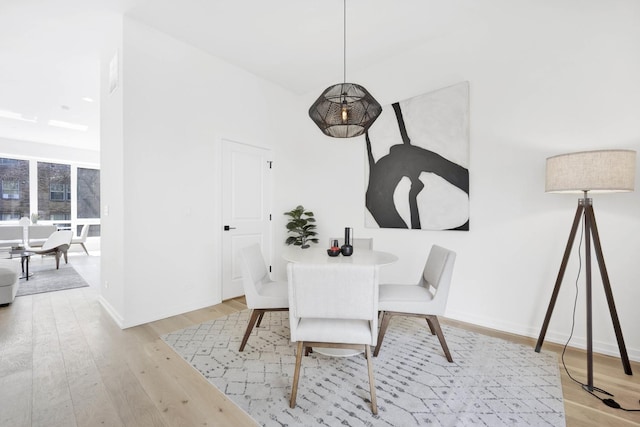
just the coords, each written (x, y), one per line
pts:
(57, 245)
(82, 238)
(38, 234)
(333, 306)
(262, 293)
(426, 299)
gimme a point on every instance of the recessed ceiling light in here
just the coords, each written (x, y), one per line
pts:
(67, 125)
(6, 114)
(87, 99)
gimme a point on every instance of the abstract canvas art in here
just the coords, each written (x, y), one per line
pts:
(418, 163)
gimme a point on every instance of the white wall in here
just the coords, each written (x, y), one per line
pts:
(545, 78)
(112, 174)
(29, 149)
(174, 106)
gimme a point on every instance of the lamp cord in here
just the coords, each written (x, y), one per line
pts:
(607, 401)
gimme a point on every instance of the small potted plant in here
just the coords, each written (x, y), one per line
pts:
(302, 227)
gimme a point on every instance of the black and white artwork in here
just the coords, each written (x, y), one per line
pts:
(418, 163)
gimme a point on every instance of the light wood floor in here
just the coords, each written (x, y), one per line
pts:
(63, 362)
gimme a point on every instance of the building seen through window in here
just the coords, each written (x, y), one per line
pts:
(55, 195)
(14, 178)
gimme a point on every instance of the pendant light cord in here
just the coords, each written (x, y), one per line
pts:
(344, 46)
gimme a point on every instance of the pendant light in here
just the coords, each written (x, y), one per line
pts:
(345, 110)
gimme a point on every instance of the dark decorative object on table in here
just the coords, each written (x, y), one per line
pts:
(347, 248)
(334, 250)
(302, 226)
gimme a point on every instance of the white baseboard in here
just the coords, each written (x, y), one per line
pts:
(112, 312)
(608, 348)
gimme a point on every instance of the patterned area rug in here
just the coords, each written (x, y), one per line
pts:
(47, 279)
(491, 382)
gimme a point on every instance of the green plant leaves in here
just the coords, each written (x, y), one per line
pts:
(300, 226)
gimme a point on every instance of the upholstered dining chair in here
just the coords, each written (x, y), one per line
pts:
(333, 306)
(262, 293)
(82, 238)
(57, 245)
(426, 299)
(360, 243)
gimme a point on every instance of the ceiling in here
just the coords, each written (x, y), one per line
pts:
(49, 51)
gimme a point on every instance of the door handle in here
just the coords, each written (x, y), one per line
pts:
(227, 228)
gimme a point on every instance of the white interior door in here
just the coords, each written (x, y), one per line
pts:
(246, 205)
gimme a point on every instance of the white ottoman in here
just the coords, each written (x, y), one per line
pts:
(9, 273)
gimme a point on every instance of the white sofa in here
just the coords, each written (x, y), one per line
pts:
(11, 235)
(9, 274)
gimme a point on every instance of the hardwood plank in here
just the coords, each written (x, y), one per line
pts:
(92, 403)
(16, 373)
(16, 336)
(204, 397)
(181, 393)
(15, 392)
(133, 405)
(52, 404)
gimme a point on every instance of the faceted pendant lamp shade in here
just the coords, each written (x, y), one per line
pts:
(599, 171)
(345, 110)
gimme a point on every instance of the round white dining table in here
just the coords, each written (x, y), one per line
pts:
(319, 256)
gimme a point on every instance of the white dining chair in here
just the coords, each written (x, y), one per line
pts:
(82, 238)
(360, 243)
(262, 293)
(427, 299)
(334, 305)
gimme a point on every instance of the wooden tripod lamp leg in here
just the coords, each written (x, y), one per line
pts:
(591, 232)
(607, 290)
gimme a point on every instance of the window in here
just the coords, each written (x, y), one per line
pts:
(7, 216)
(14, 180)
(65, 195)
(57, 192)
(88, 193)
(59, 216)
(10, 189)
(54, 190)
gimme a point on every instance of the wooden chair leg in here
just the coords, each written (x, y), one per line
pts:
(296, 375)
(433, 321)
(252, 321)
(66, 261)
(260, 319)
(57, 254)
(85, 248)
(372, 383)
(433, 331)
(384, 323)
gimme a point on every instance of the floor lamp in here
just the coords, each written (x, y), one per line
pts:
(584, 172)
